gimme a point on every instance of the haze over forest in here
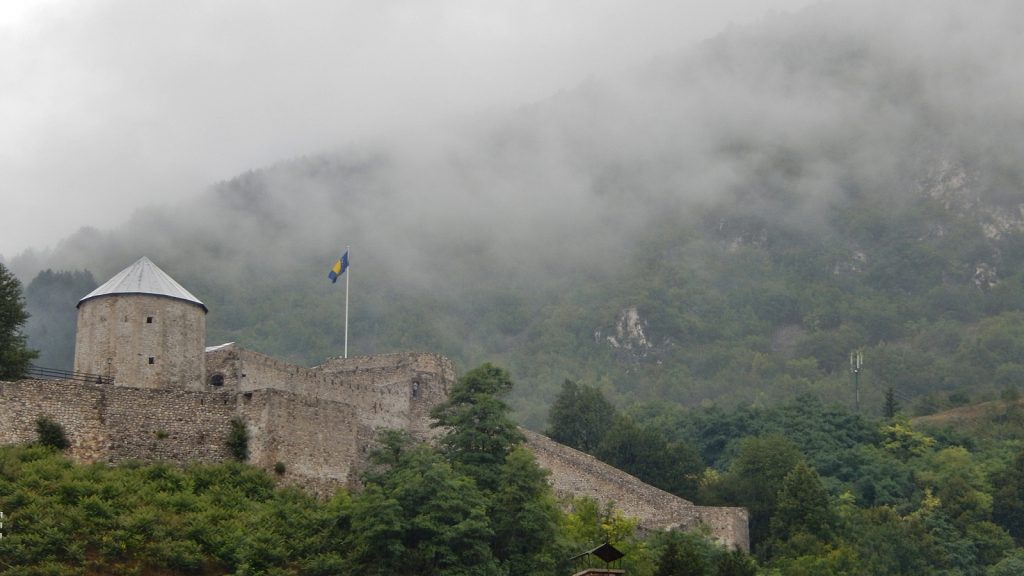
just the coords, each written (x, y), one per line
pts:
(846, 176)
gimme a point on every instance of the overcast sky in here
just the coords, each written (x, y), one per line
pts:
(110, 105)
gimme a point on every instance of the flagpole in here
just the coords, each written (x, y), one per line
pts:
(347, 274)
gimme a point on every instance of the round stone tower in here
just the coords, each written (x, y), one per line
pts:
(142, 329)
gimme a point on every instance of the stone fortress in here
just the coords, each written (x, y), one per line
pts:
(160, 394)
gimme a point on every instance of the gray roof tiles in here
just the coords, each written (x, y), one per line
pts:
(143, 277)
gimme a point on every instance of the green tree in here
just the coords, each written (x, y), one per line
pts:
(480, 435)
(15, 355)
(420, 516)
(525, 518)
(903, 442)
(588, 524)
(756, 477)
(735, 563)
(959, 484)
(1008, 497)
(891, 406)
(1012, 565)
(670, 561)
(681, 557)
(802, 507)
(673, 467)
(375, 542)
(580, 416)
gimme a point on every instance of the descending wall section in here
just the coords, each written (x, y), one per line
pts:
(574, 473)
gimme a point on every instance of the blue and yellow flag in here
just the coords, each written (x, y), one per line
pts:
(339, 267)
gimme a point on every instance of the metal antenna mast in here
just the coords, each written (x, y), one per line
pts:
(856, 361)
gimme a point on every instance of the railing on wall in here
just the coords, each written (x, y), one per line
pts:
(44, 373)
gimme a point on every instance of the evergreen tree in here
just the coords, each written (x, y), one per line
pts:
(756, 477)
(580, 416)
(891, 407)
(525, 517)
(421, 517)
(15, 355)
(480, 433)
(802, 506)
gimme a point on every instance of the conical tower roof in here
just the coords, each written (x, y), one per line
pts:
(143, 277)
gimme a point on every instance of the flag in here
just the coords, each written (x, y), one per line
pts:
(339, 267)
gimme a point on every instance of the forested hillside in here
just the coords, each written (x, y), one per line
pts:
(830, 491)
(723, 225)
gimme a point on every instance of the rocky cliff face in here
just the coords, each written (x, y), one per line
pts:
(967, 192)
(629, 332)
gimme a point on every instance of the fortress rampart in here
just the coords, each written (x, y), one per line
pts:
(321, 423)
(574, 473)
(174, 400)
(387, 391)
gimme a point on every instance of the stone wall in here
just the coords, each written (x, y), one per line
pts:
(315, 439)
(141, 340)
(574, 473)
(320, 423)
(114, 424)
(77, 407)
(173, 425)
(388, 391)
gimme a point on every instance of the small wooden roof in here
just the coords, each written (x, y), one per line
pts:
(606, 552)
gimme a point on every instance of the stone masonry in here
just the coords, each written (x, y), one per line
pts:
(319, 422)
(176, 360)
(574, 473)
(169, 403)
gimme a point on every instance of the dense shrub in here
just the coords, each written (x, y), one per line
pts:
(51, 433)
(238, 440)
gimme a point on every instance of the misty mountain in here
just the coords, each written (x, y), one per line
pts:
(724, 224)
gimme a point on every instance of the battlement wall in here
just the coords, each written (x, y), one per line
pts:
(393, 391)
(574, 473)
